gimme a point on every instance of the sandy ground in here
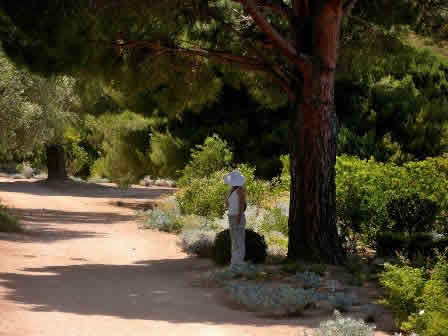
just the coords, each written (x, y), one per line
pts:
(85, 269)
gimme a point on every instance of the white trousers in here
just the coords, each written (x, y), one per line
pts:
(238, 238)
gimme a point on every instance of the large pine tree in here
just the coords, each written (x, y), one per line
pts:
(170, 50)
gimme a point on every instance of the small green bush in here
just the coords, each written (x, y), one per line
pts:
(255, 247)
(421, 303)
(412, 213)
(404, 288)
(275, 220)
(206, 159)
(8, 223)
(204, 196)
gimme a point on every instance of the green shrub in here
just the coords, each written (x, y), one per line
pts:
(412, 213)
(412, 245)
(255, 247)
(168, 155)
(365, 187)
(77, 158)
(285, 177)
(214, 155)
(423, 307)
(404, 288)
(275, 220)
(98, 169)
(431, 317)
(8, 223)
(204, 196)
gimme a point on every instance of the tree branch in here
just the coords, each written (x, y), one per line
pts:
(283, 45)
(245, 62)
(277, 6)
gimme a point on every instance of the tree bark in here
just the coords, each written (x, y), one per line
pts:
(56, 162)
(313, 135)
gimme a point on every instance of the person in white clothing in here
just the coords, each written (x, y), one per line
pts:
(236, 205)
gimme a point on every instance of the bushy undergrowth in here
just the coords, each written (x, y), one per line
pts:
(411, 245)
(365, 188)
(164, 217)
(8, 223)
(343, 326)
(198, 242)
(418, 297)
(282, 300)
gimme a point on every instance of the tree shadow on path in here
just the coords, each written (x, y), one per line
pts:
(44, 225)
(78, 189)
(148, 290)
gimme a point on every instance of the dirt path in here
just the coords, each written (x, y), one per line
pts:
(85, 269)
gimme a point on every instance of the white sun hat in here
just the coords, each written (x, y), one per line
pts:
(235, 179)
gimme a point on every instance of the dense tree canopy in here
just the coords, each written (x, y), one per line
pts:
(166, 57)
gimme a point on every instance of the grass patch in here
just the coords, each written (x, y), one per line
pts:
(8, 223)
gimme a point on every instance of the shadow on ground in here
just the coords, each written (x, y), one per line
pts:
(48, 216)
(148, 290)
(158, 290)
(43, 225)
(78, 189)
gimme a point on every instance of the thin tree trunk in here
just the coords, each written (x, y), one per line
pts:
(312, 218)
(56, 162)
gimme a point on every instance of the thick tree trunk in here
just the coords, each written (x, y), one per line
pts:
(312, 217)
(56, 162)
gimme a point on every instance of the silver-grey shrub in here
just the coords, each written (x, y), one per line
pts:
(341, 326)
(197, 242)
(246, 270)
(309, 279)
(281, 300)
(162, 220)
